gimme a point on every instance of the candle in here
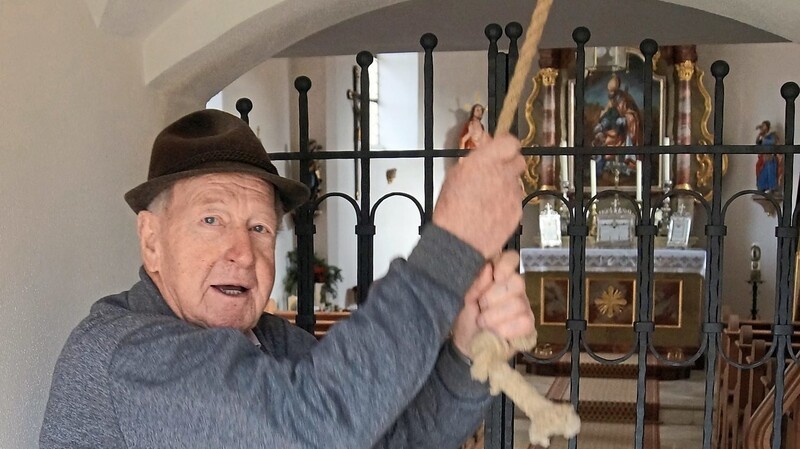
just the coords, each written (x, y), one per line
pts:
(593, 177)
(639, 180)
(666, 161)
(564, 163)
(562, 160)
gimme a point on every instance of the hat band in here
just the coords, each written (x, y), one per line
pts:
(219, 158)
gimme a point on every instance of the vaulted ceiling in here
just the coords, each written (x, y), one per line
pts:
(459, 25)
(196, 47)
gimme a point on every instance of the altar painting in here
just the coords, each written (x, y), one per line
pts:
(667, 302)
(614, 116)
(554, 306)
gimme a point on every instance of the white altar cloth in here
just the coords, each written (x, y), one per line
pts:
(598, 260)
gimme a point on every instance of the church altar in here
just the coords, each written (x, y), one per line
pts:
(610, 292)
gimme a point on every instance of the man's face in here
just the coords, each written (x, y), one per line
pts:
(211, 251)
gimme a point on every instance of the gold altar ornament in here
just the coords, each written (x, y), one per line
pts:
(685, 70)
(611, 302)
(549, 76)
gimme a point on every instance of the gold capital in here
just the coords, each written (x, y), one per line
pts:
(685, 70)
(549, 76)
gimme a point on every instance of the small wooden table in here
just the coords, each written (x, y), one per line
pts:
(324, 320)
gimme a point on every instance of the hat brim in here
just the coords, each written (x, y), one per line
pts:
(291, 193)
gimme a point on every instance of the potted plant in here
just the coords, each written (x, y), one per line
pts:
(325, 274)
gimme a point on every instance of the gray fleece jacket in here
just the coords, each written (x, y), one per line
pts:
(133, 375)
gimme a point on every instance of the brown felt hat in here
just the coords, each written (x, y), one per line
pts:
(210, 141)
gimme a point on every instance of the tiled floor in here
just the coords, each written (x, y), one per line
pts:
(681, 415)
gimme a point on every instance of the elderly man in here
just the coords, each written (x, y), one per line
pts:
(187, 359)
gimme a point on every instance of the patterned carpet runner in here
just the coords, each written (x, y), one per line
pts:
(608, 436)
(608, 400)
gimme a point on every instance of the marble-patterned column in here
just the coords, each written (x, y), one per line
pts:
(548, 166)
(685, 60)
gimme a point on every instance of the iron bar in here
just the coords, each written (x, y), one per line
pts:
(493, 33)
(715, 232)
(645, 232)
(513, 30)
(499, 423)
(304, 221)
(546, 151)
(578, 230)
(787, 244)
(493, 424)
(365, 229)
(428, 42)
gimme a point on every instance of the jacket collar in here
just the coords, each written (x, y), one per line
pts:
(144, 297)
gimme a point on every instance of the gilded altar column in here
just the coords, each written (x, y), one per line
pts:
(685, 59)
(548, 167)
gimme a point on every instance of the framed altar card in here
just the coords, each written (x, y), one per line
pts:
(614, 231)
(615, 225)
(679, 228)
(549, 227)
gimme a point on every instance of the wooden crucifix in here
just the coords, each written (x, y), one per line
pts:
(355, 97)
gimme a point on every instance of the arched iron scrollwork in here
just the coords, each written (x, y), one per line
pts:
(403, 195)
(766, 196)
(345, 196)
(531, 197)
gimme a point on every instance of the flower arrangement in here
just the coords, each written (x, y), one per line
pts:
(324, 273)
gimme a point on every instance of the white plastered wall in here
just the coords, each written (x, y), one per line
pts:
(77, 124)
(752, 94)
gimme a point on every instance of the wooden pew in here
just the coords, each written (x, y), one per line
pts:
(723, 383)
(740, 392)
(758, 434)
(733, 384)
(756, 387)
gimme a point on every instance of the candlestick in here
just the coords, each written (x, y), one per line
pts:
(638, 180)
(755, 278)
(593, 177)
(564, 163)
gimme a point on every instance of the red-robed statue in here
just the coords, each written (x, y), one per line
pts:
(473, 129)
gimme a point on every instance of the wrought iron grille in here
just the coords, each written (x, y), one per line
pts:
(499, 421)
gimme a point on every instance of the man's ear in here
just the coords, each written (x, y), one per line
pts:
(148, 227)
